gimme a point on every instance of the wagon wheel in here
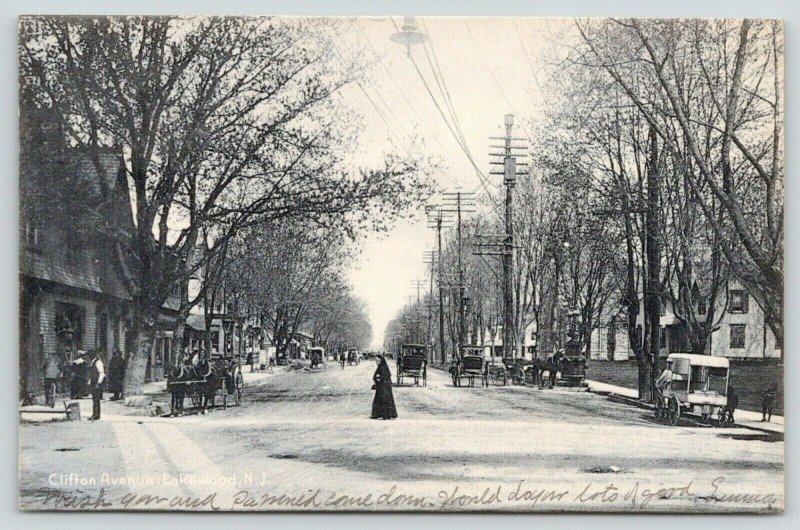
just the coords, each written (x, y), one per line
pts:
(659, 409)
(674, 412)
(723, 418)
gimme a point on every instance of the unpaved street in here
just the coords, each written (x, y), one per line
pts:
(304, 440)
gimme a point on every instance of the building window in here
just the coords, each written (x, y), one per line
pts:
(215, 341)
(701, 306)
(737, 301)
(69, 328)
(737, 336)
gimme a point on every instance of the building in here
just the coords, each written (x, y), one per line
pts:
(741, 331)
(75, 221)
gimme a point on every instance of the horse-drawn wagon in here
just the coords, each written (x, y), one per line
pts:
(413, 362)
(202, 381)
(317, 357)
(470, 365)
(353, 357)
(696, 384)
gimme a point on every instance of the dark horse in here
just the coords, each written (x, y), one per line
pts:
(177, 389)
(210, 382)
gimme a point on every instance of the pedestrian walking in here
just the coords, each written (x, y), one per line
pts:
(768, 401)
(116, 374)
(52, 371)
(341, 359)
(383, 404)
(97, 377)
(250, 359)
(78, 376)
(733, 402)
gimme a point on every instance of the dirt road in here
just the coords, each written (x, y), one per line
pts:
(304, 440)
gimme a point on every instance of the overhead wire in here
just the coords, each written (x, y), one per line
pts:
(381, 114)
(402, 93)
(463, 147)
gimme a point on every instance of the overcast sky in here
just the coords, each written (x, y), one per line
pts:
(476, 57)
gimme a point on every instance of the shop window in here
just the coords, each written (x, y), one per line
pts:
(737, 336)
(159, 351)
(69, 328)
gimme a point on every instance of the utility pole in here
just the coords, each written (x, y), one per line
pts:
(437, 219)
(505, 241)
(460, 202)
(429, 258)
(510, 179)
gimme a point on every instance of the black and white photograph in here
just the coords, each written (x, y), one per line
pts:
(400, 264)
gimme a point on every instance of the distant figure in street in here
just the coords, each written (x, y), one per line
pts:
(383, 405)
(733, 402)
(116, 374)
(97, 376)
(342, 358)
(250, 360)
(52, 371)
(768, 401)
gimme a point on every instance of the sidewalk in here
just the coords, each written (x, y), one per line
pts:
(118, 411)
(744, 418)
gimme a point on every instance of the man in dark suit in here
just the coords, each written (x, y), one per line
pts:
(97, 376)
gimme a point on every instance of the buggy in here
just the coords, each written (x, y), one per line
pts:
(470, 365)
(413, 362)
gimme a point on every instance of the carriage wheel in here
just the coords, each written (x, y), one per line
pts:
(658, 410)
(674, 412)
(238, 389)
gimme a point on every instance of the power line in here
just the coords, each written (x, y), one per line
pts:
(496, 82)
(463, 147)
(402, 93)
(375, 106)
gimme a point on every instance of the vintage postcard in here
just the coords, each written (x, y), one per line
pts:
(430, 264)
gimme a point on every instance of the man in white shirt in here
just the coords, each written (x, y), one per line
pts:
(97, 376)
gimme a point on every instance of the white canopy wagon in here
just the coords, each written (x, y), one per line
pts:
(696, 384)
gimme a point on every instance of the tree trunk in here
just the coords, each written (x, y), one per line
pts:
(180, 323)
(144, 333)
(652, 295)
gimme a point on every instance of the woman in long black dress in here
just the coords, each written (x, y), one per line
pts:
(383, 404)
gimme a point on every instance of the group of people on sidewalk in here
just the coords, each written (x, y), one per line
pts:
(87, 375)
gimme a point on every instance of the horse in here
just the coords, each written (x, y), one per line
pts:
(178, 374)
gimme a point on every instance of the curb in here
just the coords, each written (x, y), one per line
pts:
(611, 396)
